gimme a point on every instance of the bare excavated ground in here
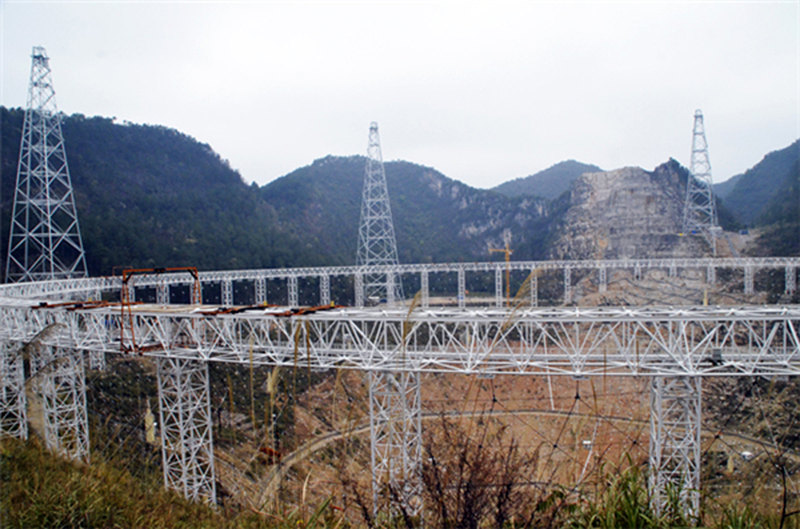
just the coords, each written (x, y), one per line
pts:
(575, 430)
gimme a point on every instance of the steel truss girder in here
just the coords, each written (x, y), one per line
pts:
(675, 415)
(59, 378)
(82, 287)
(396, 440)
(691, 341)
(187, 445)
(13, 415)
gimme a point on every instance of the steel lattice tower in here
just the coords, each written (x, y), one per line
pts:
(44, 240)
(394, 398)
(376, 241)
(700, 214)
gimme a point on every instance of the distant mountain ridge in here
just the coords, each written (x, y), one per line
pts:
(152, 196)
(752, 191)
(549, 183)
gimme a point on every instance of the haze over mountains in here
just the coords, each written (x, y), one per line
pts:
(151, 196)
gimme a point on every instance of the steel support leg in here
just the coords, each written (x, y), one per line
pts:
(711, 275)
(60, 379)
(748, 279)
(261, 291)
(162, 294)
(790, 280)
(534, 289)
(226, 293)
(359, 287)
(425, 288)
(391, 291)
(396, 440)
(187, 445)
(13, 417)
(567, 286)
(293, 300)
(675, 406)
(498, 287)
(603, 279)
(324, 290)
(462, 288)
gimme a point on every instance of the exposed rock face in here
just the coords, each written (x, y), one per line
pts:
(625, 213)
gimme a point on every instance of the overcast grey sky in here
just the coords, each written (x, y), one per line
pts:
(482, 91)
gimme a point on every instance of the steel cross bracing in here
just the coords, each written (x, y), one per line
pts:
(700, 215)
(44, 239)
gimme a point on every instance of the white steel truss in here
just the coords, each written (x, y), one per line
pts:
(396, 440)
(700, 214)
(13, 416)
(60, 380)
(376, 239)
(675, 413)
(44, 240)
(186, 429)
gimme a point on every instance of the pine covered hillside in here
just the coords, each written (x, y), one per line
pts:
(754, 189)
(549, 183)
(151, 196)
(436, 218)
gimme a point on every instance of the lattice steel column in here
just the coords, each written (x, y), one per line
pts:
(699, 212)
(498, 287)
(13, 416)
(711, 275)
(60, 380)
(226, 293)
(675, 408)
(424, 287)
(45, 239)
(567, 285)
(291, 286)
(376, 239)
(462, 289)
(162, 294)
(324, 290)
(790, 280)
(534, 289)
(396, 440)
(603, 279)
(187, 445)
(261, 291)
(359, 290)
(748, 279)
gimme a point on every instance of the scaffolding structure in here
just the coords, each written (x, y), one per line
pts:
(44, 240)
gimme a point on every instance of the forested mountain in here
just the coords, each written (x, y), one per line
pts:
(755, 188)
(151, 196)
(436, 218)
(549, 183)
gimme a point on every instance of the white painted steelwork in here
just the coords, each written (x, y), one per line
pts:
(44, 239)
(700, 214)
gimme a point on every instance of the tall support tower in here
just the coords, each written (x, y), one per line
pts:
(376, 241)
(675, 414)
(394, 398)
(44, 240)
(700, 214)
